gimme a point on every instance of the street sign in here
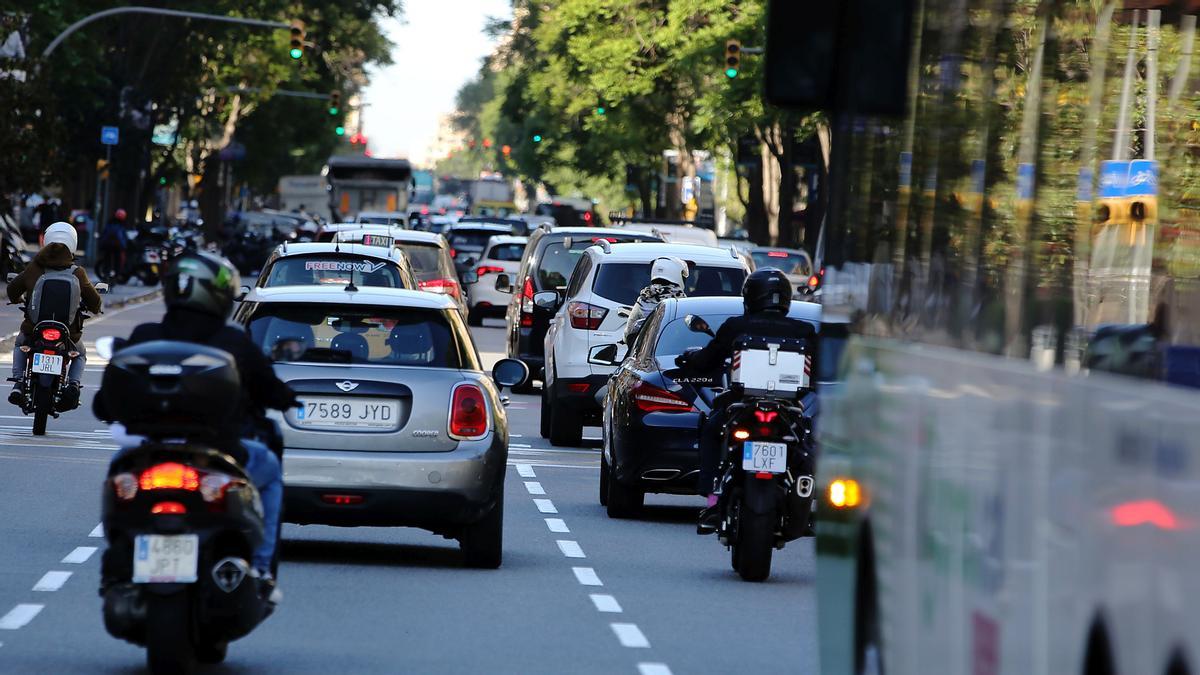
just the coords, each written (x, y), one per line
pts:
(110, 135)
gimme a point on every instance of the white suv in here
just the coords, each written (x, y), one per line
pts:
(489, 294)
(590, 318)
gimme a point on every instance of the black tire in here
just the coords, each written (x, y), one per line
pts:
(603, 480)
(623, 501)
(756, 542)
(544, 420)
(566, 428)
(474, 317)
(41, 409)
(482, 543)
(169, 649)
(212, 652)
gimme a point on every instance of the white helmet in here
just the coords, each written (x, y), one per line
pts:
(61, 233)
(668, 270)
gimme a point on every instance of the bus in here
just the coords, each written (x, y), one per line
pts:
(1010, 460)
(358, 184)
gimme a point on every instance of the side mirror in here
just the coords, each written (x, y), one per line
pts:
(504, 284)
(102, 288)
(105, 346)
(470, 278)
(510, 373)
(697, 324)
(287, 349)
(604, 355)
(547, 300)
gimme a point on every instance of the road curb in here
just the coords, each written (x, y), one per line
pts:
(8, 339)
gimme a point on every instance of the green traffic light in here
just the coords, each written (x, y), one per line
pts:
(162, 181)
(333, 110)
(601, 111)
(296, 53)
(731, 73)
(537, 138)
(340, 131)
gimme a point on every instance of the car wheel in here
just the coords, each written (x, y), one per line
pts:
(566, 428)
(603, 481)
(544, 420)
(474, 317)
(482, 542)
(623, 501)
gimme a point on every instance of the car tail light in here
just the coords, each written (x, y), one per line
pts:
(168, 507)
(488, 269)
(585, 316)
(587, 217)
(649, 398)
(424, 211)
(776, 254)
(813, 282)
(453, 253)
(442, 286)
(51, 334)
(468, 413)
(578, 387)
(527, 303)
(170, 476)
(342, 500)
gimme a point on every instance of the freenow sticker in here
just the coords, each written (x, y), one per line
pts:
(365, 266)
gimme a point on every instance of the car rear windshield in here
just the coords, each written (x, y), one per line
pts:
(335, 271)
(788, 262)
(507, 252)
(473, 240)
(621, 282)
(398, 336)
(557, 263)
(381, 220)
(426, 261)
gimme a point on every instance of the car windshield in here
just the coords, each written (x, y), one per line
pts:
(621, 282)
(558, 262)
(334, 271)
(789, 262)
(426, 261)
(399, 336)
(473, 240)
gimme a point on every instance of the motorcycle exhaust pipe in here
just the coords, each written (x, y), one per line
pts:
(229, 573)
(804, 486)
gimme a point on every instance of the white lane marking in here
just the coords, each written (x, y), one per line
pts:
(591, 467)
(519, 445)
(515, 436)
(534, 487)
(605, 603)
(554, 451)
(570, 548)
(653, 669)
(630, 635)
(52, 581)
(557, 525)
(587, 576)
(525, 471)
(80, 555)
(545, 506)
(18, 616)
(97, 531)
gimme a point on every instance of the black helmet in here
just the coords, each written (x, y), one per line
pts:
(767, 289)
(202, 282)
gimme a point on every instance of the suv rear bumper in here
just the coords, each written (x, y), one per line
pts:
(571, 392)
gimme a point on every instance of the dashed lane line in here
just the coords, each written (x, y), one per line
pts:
(525, 471)
(587, 576)
(97, 531)
(80, 555)
(534, 488)
(52, 581)
(630, 635)
(557, 525)
(18, 616)
(545, 506)
(570, 548)
(605, 603)
(653, 669)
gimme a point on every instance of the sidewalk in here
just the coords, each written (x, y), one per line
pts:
(119, 296)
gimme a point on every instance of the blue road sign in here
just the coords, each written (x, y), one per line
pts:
(1114, 176)
(110, 135)
(1143, 178)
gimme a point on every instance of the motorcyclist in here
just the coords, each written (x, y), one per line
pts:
(58, 253)
(199, 290)
(666, 281)
(113, 241)
(767, 296)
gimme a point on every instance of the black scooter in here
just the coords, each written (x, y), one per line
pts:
(181, 517)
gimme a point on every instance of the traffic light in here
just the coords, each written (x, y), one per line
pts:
(487, 142)
(297, 42)
(601, 111)
(507, 150)
(733, 58)
(537, 138)
(339, 130)
(335, 102)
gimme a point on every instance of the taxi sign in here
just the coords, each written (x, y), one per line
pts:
(377, 240)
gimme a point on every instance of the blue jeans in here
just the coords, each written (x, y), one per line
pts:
(263, 468)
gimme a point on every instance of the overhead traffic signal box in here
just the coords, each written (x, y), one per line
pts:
(335, 102)
(296, 49)
(733, 58)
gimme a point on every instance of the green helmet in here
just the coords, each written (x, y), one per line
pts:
(202, 282)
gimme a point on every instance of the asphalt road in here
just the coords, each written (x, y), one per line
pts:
(577, 593)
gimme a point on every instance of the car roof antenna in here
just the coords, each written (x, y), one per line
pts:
(337, 244)
(350, 287)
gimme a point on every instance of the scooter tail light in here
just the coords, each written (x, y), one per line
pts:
(51, 334)
(168, 508)
(170, 476)
(125, 486)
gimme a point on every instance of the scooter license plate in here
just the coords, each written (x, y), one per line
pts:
(47, 364)
(165, 559)
(762, 456)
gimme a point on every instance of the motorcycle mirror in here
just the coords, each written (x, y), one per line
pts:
(697, 324)
(105, 346)
(242, 293)
(102, 288)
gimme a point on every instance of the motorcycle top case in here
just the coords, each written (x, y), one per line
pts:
(770, 366)
(167, 388)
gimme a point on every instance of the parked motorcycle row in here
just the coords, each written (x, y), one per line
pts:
(147, 252)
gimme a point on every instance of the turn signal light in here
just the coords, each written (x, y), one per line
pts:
(845, 493)
(170, 476)
(168, 507)
(741, 434)
(125, 486)
(51, 334)
(468, 413)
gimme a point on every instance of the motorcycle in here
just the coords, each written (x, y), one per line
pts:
(181, 518)
(50, 355)
(766, 476)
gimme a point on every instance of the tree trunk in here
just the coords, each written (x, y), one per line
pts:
(788, 234)
(771, 173)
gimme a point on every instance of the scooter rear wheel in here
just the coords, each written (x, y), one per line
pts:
(169, 648)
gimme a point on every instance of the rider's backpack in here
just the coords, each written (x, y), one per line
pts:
(55, 297)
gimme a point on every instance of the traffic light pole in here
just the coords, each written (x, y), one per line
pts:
(277, 25)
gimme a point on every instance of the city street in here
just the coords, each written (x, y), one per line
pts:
(577, 592)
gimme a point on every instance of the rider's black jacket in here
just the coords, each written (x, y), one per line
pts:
(262, 389)
(763, 324)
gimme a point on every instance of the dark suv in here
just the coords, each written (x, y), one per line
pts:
(549, 259)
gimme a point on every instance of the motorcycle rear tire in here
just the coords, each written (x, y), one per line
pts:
(756, 542)
(212, 652)
(169, 648)
(41, 409)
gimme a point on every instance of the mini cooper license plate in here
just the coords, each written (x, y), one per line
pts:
(47, 364)
(351, 413)
(165, 559)
(762, 456)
